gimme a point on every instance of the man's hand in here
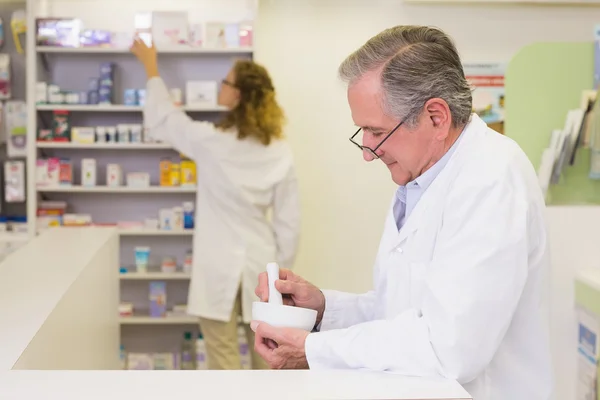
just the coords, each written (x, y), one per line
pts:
(295, 292)
(281, 348)
(146, 55)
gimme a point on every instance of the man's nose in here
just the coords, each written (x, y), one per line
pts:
(368, 155)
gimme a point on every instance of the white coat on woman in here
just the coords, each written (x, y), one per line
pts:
(238, 182)
(457, 289)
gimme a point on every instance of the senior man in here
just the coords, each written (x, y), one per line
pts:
(458, 276)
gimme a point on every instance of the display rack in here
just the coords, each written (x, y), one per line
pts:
(543, 82)
(71, 68)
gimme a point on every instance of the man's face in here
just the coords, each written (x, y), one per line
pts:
(406, 153)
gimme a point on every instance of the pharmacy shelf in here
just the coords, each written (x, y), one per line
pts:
(120, 50)
(115, 189)
(103, 146)
(155, 232)
(118, 108)
(161, 276)
(179, 320)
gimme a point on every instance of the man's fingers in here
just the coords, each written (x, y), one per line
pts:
(262, 290)
(267, 331)
(287, 287)
(261, 348)
(288, 301)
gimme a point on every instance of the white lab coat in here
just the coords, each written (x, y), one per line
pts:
(457, 291)
(239, 183)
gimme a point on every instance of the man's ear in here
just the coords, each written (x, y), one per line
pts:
(440, 116)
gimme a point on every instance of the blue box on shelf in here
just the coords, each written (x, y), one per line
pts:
(158, 299)
(130, 97)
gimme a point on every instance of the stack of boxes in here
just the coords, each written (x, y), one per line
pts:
(106, 83)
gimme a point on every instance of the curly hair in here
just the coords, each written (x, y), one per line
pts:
(257, 115)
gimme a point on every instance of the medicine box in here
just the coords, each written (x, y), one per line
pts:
(88, 172)
(138, 179)
(158, 299)
(114, 175)
(83, 134)
(201, 93)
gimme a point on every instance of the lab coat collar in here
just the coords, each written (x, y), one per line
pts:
(436, 190)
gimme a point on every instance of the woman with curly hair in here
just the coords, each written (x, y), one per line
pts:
(247, 206)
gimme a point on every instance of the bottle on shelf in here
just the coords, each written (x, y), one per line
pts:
(244, 349)
(188, 352)
(201, 360)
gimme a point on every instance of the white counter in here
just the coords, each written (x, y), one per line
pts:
(231, 385)
(589, 276)
(58, 301)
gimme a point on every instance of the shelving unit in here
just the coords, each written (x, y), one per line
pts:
(70, 69)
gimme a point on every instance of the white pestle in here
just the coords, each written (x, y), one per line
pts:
(275, 313)
(273, 274)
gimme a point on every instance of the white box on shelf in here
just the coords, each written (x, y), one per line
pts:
(114, 175)
(201, 93)
(88, 172)
(138, 179)
(41, 92)
(83, 134)
(170, 28)
(165, 217)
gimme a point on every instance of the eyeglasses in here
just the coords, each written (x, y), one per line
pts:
(373, 152)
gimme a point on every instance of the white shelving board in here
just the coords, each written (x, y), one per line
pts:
(107, 108)
(178, 320)
(115, 189)
(171, 50)
(71, 69)
(103, 146)
(158, 276)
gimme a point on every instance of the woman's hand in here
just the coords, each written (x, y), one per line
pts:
(146, 55)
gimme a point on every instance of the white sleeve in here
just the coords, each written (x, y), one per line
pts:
(286, 219)
(475, 280)
(169, 123)
(346, 309)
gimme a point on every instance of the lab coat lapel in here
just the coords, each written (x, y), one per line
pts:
(439, 186)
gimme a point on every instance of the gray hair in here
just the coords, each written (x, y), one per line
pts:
(417, 63)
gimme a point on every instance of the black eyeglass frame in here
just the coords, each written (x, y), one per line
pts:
(373, 152)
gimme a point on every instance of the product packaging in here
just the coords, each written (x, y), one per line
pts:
(165, 219)
(188, 262)
(88, 172)
(188, 215)
(177, 218)
(169, 265)
(130, 97)
(188, 173)
(175, 175)
(138, 179)
(101, 134)
(114, 175)
(61, 126)
(165, 172)
(65, 172)
(158, 299)
(14, 181)
(123, 133)
(201, 93)
(83, 134)
(142, 257)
